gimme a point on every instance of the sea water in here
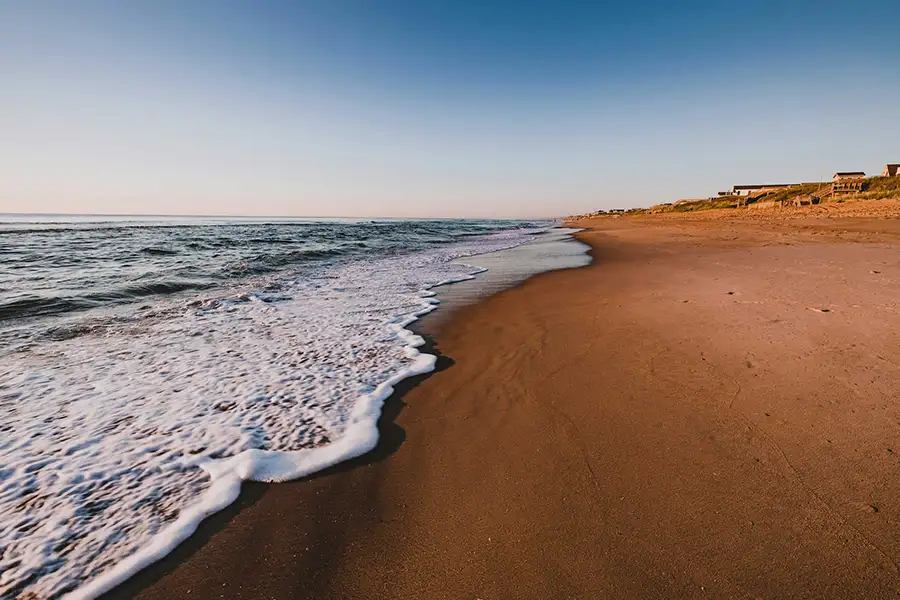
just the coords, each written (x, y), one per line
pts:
(148, 366)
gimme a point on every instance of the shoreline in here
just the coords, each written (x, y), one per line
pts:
(514, 481)
(554, 249)
(420, 345)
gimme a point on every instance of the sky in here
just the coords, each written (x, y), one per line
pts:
(419, 108)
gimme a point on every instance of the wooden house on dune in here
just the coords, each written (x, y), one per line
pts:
(848, 181)
(752, 190)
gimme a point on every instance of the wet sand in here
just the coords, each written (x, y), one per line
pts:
(551, 250)
(710, 409)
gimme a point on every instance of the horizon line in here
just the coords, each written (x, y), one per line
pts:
(234, 216)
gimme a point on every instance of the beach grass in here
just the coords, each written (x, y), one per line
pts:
(881, 187)
(876, 188)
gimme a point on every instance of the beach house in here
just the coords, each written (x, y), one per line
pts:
(848, 181)
(891, 170)
(751, 190)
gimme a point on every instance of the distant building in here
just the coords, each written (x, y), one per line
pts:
(849, 175)
(848, 181)
(749, 190)
(891, 170)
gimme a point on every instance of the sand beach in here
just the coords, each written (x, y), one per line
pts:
(449, 301)
(707, 410)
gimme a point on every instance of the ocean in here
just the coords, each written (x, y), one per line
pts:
(150, 365)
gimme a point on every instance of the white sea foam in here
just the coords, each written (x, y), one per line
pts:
(114, 445)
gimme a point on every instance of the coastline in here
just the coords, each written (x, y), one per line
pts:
(553, 248)
(641, 427)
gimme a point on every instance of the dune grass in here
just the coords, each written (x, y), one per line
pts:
(695, 205)
(881, 187)
(876, 188)
(788, 194)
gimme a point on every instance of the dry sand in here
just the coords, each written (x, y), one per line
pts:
(681, 419)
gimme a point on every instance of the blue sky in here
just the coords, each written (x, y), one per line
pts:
(420, 108)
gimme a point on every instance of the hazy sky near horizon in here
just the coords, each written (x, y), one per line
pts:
(423, 108)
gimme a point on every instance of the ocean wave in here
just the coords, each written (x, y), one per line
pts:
(32, 307)
(35, 306)
(126, 439)
(159, 251)
(101, 263)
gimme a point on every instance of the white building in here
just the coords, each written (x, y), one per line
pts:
(750, 190)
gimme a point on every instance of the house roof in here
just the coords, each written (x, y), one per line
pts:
(848, 173)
